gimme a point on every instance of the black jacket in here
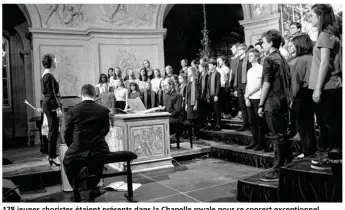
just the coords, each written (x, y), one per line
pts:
(87, 124)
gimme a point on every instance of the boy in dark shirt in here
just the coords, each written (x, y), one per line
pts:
(213, 87)
(274, 101)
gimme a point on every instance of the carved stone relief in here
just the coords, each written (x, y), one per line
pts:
(148, 141)
(259, 10)
(127, 57)
(98, 15)
(128, 15)
(65, 15)
(69, 69)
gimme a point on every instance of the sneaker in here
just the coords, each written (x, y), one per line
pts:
(271, 176)
(321, 165)
(321, 158)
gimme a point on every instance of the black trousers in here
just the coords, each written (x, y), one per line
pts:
(242, 106)
(257, 124)
(203, 108)
(175, 125)
(53, 125)
(73, 171)
(215, 110)
(322, 140)
(224, 100)
(305, 121)
(331, 105)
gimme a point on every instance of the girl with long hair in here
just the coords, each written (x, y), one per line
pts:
(103, 85)
(191, 101)
(302, 100)
(325, 77)
(121, 95)
(148, 68)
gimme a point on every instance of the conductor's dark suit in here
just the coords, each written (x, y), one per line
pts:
(87, 124)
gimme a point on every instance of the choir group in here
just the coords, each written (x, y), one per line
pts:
(281, 85)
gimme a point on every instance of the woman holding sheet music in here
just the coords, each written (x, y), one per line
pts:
(51, 105)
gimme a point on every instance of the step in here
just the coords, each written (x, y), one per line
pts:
(238, 154)
(229, 136)
(304, 184)
(252, 189)
(36, 168)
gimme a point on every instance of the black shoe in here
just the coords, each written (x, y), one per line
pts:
(271, 176)
(243, 128)
(335, 154)
(55, 161)
(95, 193)
(217, 128)
(251, 146)
(75, 198)
(258, 148)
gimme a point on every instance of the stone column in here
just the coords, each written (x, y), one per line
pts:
(26, 55)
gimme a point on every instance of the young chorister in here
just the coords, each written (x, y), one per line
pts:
(252, 100)
(213, 87)
(134, 91)
(103, 85)
(121, 95)
(203, 107)
(191, 101)
(149, 97)
(157, 86)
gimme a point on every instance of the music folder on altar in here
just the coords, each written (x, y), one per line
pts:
(136, 105)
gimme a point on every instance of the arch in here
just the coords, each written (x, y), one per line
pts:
(165, 8)
(31, 14)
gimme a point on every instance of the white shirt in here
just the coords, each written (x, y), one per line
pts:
(254, 76)
(115, 83)
(104, 87)
(156, 84)
(224, 75)
(121, 94)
